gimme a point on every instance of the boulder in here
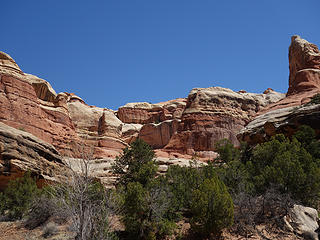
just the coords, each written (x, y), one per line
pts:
(303, 221)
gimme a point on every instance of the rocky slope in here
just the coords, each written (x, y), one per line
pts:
(294, 110)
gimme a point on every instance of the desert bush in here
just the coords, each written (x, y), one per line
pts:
(44, 207)
(289, 166)
(268, 209)
(145, 212)
(212, 208)
(17, 197)
(136, 164)
(307, 137)
(86, 203)
(145, 199)
(293, 165)
(315, 99)
(182, 181)
(227, 152)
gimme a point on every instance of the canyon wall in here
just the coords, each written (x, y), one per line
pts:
(177, 129)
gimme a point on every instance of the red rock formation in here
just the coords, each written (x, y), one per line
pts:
(215, 113)
(180, 126)
(143, 112)
(159, 135)
(21, 151)
(288, 114)
(304, 65)
(304, 78)
(21, 108)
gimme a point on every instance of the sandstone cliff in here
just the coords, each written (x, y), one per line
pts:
(294, 110)
(179, 127)
(176, 129)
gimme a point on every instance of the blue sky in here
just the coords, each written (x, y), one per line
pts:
(116, 51)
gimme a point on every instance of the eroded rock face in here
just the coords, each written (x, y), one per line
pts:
(97, 127)
(8, 65)
(130, 132)
(143, 112)
(42, 88)
(304, 65)
(284, 120)
(179, 128)
(159, 135)
(304, 78)
(293, 111)
(215, 113)
(21, 108)
(21, 151)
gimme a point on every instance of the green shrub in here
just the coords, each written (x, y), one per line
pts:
(18, 195)
(182, 182)
(227, 152)
(212, 208)
(135, 209)
(315, 99)
(136, 164)
(146, 201)
(289, 166)
(43, 207)
(307, 137)
(145, 211)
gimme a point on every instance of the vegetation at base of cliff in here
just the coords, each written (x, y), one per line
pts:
(17, 197)
(83, 202)
(242, 188)
(267, 179)
(292, 166)
(153, 205)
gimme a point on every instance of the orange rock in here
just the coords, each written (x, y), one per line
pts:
(286, 115)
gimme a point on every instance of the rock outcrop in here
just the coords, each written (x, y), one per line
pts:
(304, 78)
(285, 120)
(143, 112)
(304, 65)
(185, 126)
(21, 151)
(97, 127)
(286, 115)
(159, 135)
(179, 128)
(215, 113)
(30, 103)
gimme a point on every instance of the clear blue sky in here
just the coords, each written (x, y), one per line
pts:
(112, 52)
